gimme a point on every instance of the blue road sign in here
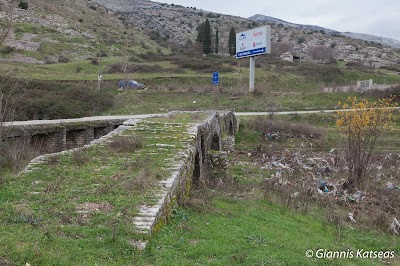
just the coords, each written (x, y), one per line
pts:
(215, 78)
(251, 52)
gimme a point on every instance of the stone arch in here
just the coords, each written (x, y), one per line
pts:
(196, 169)
(231, 128)
(215, 143)
(203, 148)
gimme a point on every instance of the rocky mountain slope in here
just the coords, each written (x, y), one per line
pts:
(51, 31)
(178, 24)
(365, 37)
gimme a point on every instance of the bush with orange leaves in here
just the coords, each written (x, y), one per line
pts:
(363, 122)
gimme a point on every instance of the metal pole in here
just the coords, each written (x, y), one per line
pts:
(99, 72)
(252, 73)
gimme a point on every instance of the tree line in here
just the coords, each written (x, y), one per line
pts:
(204, 37)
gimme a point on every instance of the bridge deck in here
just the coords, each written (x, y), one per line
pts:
(109, 189)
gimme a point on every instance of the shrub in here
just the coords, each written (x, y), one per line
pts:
(299, 130)
(7, 50)
(102, 54)
(53, 100)
(79, 157)
(301, 40)
(23, 4)
(362, 126)
(63, 59)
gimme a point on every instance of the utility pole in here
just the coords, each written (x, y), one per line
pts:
(99, 77)
(300, 54)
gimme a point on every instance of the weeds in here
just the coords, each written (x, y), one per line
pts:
(14, 155)
(126, 144)
(180, 214)
(255, 239)
(286, 129)
(53, 160)
(79, 157)
(144, 179)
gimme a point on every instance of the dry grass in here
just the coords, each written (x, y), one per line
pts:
(79, 157)
(143, 180)
(126, 144)
(14, 155)
(286, 129)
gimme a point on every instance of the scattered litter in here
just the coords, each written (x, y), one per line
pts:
(357, 196)
(390, 186)
(295, 195)
(351, 217)
(322, 186)
(325, 187)
(395, 226)
(140, 245)
(272, 136)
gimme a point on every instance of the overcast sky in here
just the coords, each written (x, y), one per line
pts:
(377, 17)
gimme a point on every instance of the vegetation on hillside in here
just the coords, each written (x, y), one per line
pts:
(34, 99)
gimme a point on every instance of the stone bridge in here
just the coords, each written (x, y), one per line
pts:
(50, 136)
(191, 158)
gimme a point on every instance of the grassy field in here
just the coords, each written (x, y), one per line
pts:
(45, 218)
(233, 231)
(78, 208)
(240, 225)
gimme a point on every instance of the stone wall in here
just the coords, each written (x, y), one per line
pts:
(59, 137)
(198, 163)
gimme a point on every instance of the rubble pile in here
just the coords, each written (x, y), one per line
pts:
(321, 176)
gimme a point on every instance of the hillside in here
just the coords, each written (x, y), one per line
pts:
(52, 31)
(57, 31)
(178, 24)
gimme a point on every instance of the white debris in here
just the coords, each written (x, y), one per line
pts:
(351, 217)
(395, 226)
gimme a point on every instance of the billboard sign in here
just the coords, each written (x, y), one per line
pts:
(253, 42)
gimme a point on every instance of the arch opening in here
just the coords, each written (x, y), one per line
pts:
(215, 142)
(196, 169)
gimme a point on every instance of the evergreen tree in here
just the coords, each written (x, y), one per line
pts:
(200, 32)
(232, 42)
(207, 37)
(216, 41)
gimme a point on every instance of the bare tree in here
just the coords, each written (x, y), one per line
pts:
(7, 108)
(321, 53)
(5, 100)
(278, 48)
(125, 65)
(9, 23)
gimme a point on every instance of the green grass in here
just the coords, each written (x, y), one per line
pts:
(133, 102)
(251, 232)
(232, 228)
(45, 217)
(216, 228)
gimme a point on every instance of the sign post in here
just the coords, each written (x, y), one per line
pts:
(215, 81)
(252, 43)
(252, 73)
